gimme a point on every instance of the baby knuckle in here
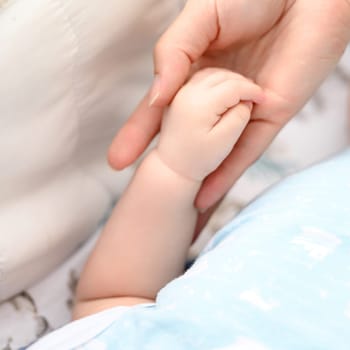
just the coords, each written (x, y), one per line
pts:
(242, 114)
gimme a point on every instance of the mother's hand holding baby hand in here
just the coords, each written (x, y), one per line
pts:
(286, 46)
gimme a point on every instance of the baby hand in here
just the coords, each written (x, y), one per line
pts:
(205, 120)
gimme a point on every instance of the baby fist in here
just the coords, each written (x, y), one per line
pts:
(205, 120)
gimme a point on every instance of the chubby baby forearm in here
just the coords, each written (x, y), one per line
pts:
(145, 242)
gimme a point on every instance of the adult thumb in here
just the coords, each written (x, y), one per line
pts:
(180, 46)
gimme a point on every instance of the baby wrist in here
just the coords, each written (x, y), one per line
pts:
(157, 153)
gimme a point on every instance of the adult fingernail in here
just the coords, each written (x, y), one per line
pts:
(202, 210)
(155, 90)
(208, 202)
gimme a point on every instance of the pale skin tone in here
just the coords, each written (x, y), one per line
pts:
(286, 46)
(145, 242)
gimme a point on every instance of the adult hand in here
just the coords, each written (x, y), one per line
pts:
(287, 47)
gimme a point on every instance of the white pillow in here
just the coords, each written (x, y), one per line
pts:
(71, 72)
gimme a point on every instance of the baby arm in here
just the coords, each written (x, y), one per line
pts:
(145, 242)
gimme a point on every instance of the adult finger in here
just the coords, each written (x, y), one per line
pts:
(253, 141)
(181, 45)
(202, 220)
(134, 137)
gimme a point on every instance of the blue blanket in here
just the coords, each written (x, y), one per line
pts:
(276, 278)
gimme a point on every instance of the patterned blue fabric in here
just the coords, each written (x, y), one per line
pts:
(276, 278)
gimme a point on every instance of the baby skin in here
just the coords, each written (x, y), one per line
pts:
(146, 240)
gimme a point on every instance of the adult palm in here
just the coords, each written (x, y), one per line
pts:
(287, 47)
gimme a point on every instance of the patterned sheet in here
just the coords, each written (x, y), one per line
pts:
(319, 130)
(276, 277)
